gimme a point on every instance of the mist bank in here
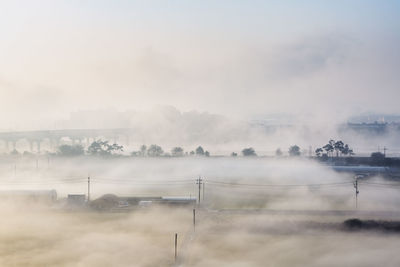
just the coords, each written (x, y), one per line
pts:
(253, 210)
(275, 184)
(168, 127)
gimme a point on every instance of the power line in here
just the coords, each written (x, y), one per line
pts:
(382, 184)
(275, 185)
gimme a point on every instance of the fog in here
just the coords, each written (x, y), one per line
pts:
(258, 58)
(170, 127)
(224, 75)
(320, 186)
(292, 217)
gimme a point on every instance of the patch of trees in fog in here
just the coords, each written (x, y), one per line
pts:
(333, 148)
(104, 148)
(334, 152)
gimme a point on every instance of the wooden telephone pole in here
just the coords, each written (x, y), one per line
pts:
(199, 181)
(88, 189)
(357, 192)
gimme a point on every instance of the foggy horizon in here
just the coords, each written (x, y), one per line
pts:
(199, 133)
(230, 58)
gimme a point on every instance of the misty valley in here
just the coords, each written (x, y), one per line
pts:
(199, 133)
(247, 211)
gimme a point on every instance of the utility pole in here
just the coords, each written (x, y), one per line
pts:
(176, 245)
(357, 192)
(199, 182)
(384, 151)
(88, 189)
(204, 186)
(194, 219)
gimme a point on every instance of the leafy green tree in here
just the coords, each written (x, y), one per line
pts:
(294, 151)
(70, 150)
(249, 152)
(155, 151)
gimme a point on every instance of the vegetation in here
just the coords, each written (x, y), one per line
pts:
(199, 151)
(103, 148)
(177, 152)
(155, 151)
(333, 148)
(294, 151)
(70, 150)
(143, 150)
(249, 152)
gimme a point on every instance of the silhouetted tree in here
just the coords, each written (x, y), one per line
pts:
(155, 151)
(70, 150)
(249, 152)
(338, 146)
(177, 152)
(319, 151)
(143, 150)
(347, 150)
(294, 151)
(207, 154)
(234, 154)
(329, 148)
(135, 153)
(278, 152)
(199, 151)
(103, 148)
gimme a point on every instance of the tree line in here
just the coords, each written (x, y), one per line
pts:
(104, 148)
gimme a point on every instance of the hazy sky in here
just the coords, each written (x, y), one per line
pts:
(237, 58)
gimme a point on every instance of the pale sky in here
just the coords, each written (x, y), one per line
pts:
(242, 59)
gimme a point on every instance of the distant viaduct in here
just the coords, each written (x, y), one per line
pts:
(53, 138)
